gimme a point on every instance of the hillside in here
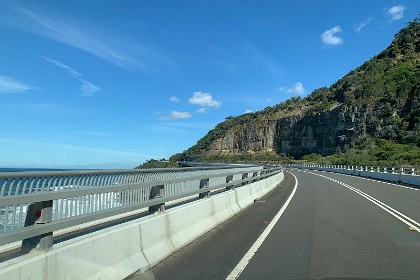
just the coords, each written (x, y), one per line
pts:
(377, 103)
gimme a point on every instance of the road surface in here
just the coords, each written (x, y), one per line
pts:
(329, 225)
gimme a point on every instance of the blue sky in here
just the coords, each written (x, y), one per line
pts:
(109, 84)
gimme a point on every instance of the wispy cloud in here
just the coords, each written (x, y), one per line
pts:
(262, 59)
(180, 127)
(174, 99)
(329, 37)
(296, 89)
(360, 25)
(203, 110)
(204, 99)
(248, 111)
(11, 85)
(91, 133)
(88, 89)
(114, 49)
(46, 108)
(395, 12)
(70, 70)
(176, 115)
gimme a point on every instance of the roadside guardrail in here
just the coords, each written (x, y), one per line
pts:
(397, 174)
(35, 204)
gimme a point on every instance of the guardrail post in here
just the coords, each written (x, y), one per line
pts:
(228, 180)
(244, 176)
(38, 213)
(157, 192)
(255, 174)
(204, 183)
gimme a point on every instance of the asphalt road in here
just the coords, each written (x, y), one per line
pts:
(333, 227)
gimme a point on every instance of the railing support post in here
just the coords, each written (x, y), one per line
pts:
(228, 180)
(244, 176)
(254, 174)
(157, 192)
(204, 183)
(38, 213)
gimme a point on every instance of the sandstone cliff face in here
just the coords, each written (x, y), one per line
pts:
(252, 137)
(324, 133)
(320, 134)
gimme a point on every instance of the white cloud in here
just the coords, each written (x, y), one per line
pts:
(174, 99)
(359, 26)
(330, 38)
(204, 99)
(248, 111)
(176, 115)
(10, 85)
(395, 12)
(88, 89)
(296, 89)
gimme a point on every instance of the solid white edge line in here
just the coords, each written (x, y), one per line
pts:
(384, 206)
(254, 248)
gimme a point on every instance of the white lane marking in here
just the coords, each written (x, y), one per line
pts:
(254, 248)
(407, 220)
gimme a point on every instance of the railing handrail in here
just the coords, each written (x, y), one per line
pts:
(62, 194)
(103, 198)
(30, 174)
(40, 229)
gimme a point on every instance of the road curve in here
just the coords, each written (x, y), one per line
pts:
(331, 228)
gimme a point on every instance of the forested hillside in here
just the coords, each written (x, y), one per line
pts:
(371, 115)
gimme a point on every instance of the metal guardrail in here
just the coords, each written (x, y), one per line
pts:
(35, 204)
(383, 169)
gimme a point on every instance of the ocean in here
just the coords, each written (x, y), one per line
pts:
(29, 169)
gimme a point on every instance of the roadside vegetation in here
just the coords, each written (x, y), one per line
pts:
(162, 163)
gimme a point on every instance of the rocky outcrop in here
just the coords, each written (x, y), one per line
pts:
(251, 137)
(323, 133)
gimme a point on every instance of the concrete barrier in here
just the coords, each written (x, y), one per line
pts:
(118, 251)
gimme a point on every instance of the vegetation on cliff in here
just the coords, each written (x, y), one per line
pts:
(153, 163)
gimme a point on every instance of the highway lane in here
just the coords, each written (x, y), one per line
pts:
(327, 230)
(330, 231)
(215, 254)
(405, 199)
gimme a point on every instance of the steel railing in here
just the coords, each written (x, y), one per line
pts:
(35, 204)
(383, 169)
